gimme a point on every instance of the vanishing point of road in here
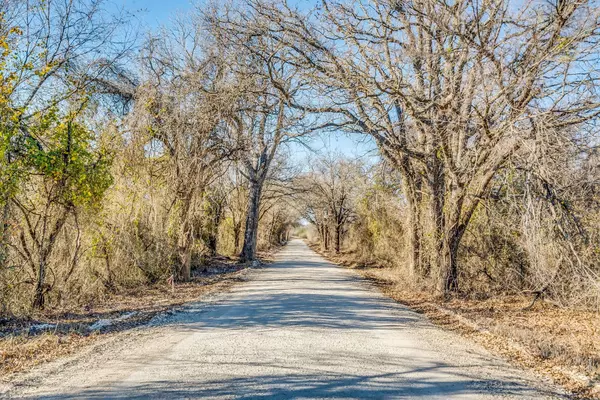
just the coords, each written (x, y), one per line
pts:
(299, 328)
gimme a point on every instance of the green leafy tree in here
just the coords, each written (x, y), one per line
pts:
(66, 173)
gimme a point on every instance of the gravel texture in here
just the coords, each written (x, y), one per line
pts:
(299, 328)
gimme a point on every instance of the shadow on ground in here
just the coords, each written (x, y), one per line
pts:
(293, 302)
(295, 295)
(389, 385)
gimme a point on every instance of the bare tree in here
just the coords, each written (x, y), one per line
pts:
(332, 184)
(449, 92)
(181, 115)
(264, 131)
(63, 47)
(264, 119)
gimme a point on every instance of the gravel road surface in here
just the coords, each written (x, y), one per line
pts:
(299, 328)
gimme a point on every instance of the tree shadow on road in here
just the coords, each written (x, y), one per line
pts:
(322, 299)
(322, 385)
(315, 296)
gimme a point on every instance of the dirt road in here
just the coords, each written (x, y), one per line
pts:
(300, 328)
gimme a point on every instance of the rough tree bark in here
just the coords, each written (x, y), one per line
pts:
(185, 240)
(338, 237)
(248, 252)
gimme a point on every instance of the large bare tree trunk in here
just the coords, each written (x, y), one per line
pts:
(44, 254)
(212, 240)
(413, 218)
(338, 238)
(450, 261)
(457, 215)
(185, 241)
(414, 242)
(251, 231)
(323, 236)
(38, 296)
(185, 258)
(211, 243)
(448, 258)
(439, 253)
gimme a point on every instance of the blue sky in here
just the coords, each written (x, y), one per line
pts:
(155, 13)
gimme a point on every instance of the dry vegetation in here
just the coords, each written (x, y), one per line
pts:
(137, 172)
(114, 180)
(47, 335)
(483, 206)
(130, 161)
(485, 115)
(554, 341)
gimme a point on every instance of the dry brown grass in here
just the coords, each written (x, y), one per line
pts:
(557, 342)
(20, 351)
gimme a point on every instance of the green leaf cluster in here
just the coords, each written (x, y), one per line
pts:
(64, 152)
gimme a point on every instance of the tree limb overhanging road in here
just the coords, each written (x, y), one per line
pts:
(299, 328)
